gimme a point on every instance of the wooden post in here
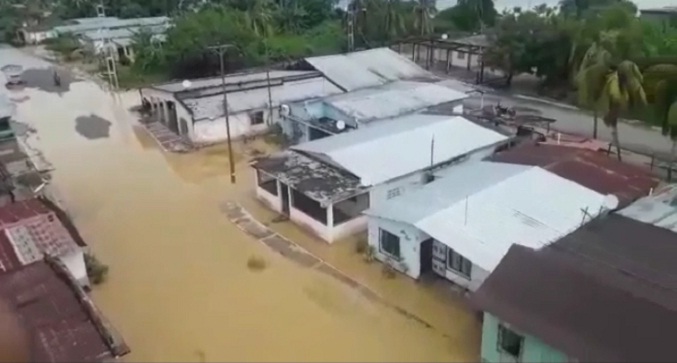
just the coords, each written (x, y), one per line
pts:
(448, 60)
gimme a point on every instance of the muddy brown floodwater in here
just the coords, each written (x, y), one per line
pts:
(179, 288)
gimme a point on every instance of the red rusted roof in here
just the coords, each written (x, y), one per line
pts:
(31, 222)
(591, 169)
(60, 328)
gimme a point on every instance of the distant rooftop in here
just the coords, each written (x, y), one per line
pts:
(393, 99)
(369, 68)
(124, 32)
(93, 24)
(592, 169)
(63, 324)
(663, 10)
(385, 151)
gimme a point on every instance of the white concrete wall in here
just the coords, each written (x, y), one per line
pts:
(181, 111)
(349, 228)
(477, 274)
(410, 243)
(211, 131)
(38, 36)
(75, 263)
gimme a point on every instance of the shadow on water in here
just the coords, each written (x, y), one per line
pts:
(43, 79)
(92, 127)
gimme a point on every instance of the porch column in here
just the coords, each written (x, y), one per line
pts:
(448, 59)
(165, 112)
(469, 54)
(330, 216)
(154, 108)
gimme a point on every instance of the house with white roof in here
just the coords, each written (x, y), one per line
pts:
(461, 225)
(380, 84)
(311, 120)
(195, 109)
(325, 185)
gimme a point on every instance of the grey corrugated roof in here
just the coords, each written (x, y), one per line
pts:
(124, 32)
(210, 107)
(231, 79)
(368, 68)
(659, 209)
(393, 99)
(450, 186)
(110, 23)
(387, 150)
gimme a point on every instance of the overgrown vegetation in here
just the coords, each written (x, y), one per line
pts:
(96, 271)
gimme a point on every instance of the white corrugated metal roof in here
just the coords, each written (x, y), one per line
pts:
(659, 209)
(109, 22)
(393, 99)
(368, 68)
(450, 186)
(533, 208)
(212, 106)
(388, 150)
(235, 78)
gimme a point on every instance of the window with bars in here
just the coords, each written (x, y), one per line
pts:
(457, 263)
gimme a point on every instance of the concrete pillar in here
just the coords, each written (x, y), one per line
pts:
(330, 216)
(165, 112)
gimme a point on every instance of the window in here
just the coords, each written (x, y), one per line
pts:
(392, 193)
(509, 342)
(389, 243)
(458, 263)
(460, 55)
(256, 118)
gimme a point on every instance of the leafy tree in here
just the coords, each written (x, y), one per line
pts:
(424, 11)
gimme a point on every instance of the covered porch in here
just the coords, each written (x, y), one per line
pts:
(320, 198)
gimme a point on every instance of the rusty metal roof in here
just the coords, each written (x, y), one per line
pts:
(60, 327)
(591, 169)
(28, 229)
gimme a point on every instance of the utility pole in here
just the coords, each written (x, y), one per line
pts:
(270, 96)
(108, 55)
(351, 25)
(221, 51)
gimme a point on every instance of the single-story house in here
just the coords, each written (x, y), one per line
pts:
(197, 111)
(605, 293)
(326, 184)
(594, 170)
(462, 224)
(31, 230)
(311, 120)
(62, 323)
(120, 40)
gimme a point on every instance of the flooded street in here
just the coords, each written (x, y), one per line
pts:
(179, 288)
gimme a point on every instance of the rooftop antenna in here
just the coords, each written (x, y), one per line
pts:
(432, 151)
(465, 213)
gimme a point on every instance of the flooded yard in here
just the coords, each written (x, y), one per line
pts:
(179, 287)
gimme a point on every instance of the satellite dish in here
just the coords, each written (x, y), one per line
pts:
(284, 110)
(444, 37)
(340, 125)
(186, 83)
(610, 202)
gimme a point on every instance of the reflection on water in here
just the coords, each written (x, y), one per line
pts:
(179, 287)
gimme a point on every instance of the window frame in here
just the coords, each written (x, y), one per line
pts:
(460, 55)
(253, 118)
(502, 328)
(381, 233)
(451, 260)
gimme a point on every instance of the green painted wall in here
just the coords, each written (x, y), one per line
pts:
(534, 350)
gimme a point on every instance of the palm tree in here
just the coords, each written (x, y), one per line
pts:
(394, 19)
(424, 10)
(661, 83)
(259, 16)
(608, 87)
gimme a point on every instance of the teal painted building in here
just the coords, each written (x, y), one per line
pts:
(503, 344)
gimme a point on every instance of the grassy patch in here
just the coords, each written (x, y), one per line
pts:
(129, 78)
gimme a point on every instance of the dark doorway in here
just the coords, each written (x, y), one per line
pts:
(172, 122)
(316, 134)
(284, 196)
(426, 256)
